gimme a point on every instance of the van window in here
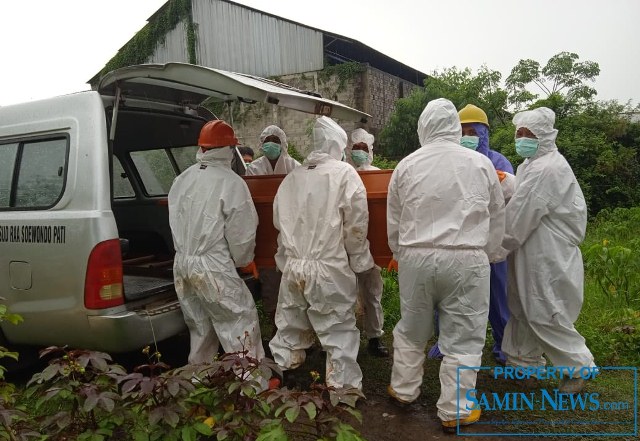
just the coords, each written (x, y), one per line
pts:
(37, 181)
(8, 154)
(155, 170)
(185, 156)
(121, 185)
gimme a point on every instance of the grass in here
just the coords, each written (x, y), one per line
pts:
(612, 332)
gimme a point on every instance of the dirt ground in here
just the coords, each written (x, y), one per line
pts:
(382, 420)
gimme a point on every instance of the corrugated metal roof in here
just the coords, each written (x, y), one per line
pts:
(235, 38)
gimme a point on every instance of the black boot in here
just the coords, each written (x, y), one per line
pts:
(377, 348)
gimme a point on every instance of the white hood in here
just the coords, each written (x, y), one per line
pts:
(540, 121)
(329, 137)
(276, 131)
(361, 135)
(439, 120)
(222, 155)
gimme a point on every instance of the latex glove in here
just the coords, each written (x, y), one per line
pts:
(501, 175)
(393, 265)
(250, 269)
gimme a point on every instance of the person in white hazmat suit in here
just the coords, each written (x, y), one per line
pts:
(370, 286)
(445, 217)
(213, 222)
(321, 213)
(546, 221)
(360, 150)
(275, 159)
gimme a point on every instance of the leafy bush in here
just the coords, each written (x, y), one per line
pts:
(383, 163)
(610, 318)
(390, 299)
(83, 395)
(616, 270)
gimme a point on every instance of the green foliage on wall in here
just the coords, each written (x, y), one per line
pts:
(343, 71)
(143, 44)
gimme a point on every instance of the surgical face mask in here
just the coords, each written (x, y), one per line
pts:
(271, 150)
(359, 157)
(470, 142)
(526, 147)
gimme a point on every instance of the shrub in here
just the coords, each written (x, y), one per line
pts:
(83, 395)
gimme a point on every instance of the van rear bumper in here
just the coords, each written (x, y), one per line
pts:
(132, 330)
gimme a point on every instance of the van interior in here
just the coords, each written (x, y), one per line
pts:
(149, 150)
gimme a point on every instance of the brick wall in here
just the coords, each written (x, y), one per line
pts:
(372, 91)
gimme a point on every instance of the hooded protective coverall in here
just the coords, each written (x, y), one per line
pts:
(321, 212)
(498, 308)
(445, 213)
(361, 135)
(546, 221)
(370, 284)
(270, 277)
(285, 164)
(213, 222)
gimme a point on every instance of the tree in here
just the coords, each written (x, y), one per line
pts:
(562, 76)
(601, 144)
(462, 87)
(598, 139)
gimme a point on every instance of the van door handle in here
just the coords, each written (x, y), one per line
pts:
(60, 171)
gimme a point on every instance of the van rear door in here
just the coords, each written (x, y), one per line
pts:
(183, 84)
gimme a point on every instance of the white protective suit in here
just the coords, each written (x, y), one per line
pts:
(445, 213)
(370, 285)
(546, 221)
(285, 164)
(321, 212)
(361, 135)
(213, 222)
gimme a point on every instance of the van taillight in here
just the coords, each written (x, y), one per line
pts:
(103, 285)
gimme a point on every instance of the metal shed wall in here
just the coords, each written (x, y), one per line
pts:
(174, 48)
(238, 39)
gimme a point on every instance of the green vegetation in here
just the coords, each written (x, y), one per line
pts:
(343, 71)
(83, 395)
(610, 319)
(599, 139)
(143, 44)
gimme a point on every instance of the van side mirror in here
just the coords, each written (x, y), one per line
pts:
(124, 247)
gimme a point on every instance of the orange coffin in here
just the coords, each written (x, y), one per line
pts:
(263, 190)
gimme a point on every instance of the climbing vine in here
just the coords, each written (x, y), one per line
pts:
(143, 44)
(343, 71)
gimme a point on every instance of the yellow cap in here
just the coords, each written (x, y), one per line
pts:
(473, 114)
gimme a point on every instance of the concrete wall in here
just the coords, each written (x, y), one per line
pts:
(372, 91)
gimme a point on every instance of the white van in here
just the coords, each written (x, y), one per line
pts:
(85, 245)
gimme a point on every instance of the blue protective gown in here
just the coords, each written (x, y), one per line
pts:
(498, 310)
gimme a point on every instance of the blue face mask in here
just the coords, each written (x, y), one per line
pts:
(359, 157)
(470, 142)
(271, 150)
(526, 147)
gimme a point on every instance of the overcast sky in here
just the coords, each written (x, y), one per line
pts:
(50, 48)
